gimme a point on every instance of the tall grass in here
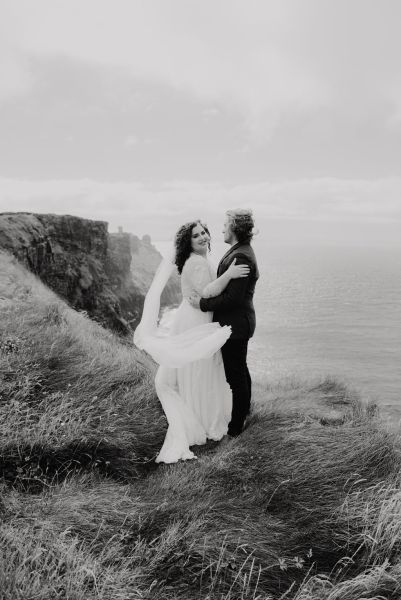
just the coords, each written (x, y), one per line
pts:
(72, 393)
(304, 505)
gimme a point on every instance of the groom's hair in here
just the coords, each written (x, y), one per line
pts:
(241, 223)
(183, 245)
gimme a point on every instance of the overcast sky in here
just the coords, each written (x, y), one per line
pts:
(149, 113)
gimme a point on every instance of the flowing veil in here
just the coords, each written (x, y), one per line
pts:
(174, 351)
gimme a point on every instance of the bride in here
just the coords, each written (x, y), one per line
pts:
(190, 382)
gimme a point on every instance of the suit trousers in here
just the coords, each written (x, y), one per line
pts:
(234, 354)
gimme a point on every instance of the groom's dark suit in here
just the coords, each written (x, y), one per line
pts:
(234, 306)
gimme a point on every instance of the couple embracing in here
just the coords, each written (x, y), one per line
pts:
(203, 381)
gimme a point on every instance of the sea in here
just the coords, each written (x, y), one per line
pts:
(328, 312)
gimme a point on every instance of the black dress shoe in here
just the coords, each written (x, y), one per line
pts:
(234, 433)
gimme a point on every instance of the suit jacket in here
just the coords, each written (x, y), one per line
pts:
(234, 306)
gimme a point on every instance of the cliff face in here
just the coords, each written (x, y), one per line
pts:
(106, 275)
(131, 264)
(145, 260)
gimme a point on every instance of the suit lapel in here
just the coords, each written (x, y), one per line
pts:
(227, 254)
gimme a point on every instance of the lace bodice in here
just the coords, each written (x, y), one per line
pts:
(197, 273)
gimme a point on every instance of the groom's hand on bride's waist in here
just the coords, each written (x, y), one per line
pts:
(194, 300)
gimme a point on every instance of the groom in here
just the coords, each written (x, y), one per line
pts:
(234, 306)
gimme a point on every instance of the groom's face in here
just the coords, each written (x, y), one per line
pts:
(227, 233)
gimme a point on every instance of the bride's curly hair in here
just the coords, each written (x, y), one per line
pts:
(183, 246)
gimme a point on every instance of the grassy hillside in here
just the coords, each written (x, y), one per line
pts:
(304, 505)
(72, 394)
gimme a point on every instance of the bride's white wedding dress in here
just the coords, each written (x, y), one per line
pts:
(190, 381)
(196, 397)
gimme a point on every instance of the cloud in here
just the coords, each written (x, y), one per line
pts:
(221, 90)
(264, 59)
(15, 78)
(131, 140)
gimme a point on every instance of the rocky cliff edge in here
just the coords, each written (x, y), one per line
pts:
(106, 275)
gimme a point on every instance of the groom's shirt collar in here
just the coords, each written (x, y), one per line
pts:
(233, 247)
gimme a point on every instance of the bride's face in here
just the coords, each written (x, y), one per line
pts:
(199, 239)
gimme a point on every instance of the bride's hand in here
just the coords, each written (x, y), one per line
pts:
(237, 271)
